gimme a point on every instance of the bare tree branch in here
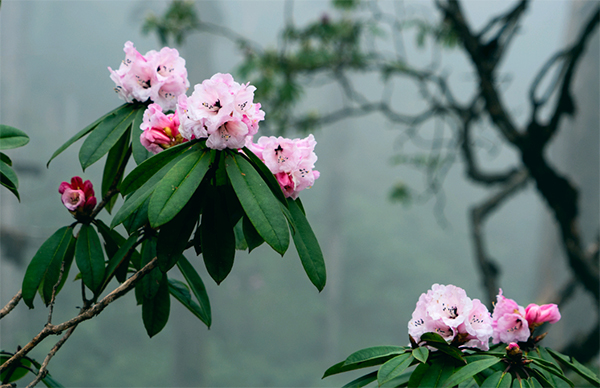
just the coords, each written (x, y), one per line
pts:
(43, 371)
(11, 304)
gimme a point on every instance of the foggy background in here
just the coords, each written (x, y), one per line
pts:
(270, 325)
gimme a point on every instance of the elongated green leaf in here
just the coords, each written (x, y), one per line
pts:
(266, 174)
(174, 235)
(53, 273)
(50, 382)
(90, 258)
(87, 130)
(140, 153)
(5, 159)
(197, 287)
(181, 292)
(420, 371)
(308, 247)
(51, 251)
(365, 358)
(576, 366)
(542, 376)
(466, 372)
(435, 340)
(253, 239)
(9, 179)
(362, 381)
(122, 254)
(105, 136)
(144, 171)
(137, 199)
(218, 238)
(118, 156)
(150, 282)
(559, 380)
(394, 368)
(534, 383)
(16, 371)
(11, 137)
(549, 366)
(498, 379)
(440, 369)
(421, 354)
(261, 207)
(155, 310)
(177, 187)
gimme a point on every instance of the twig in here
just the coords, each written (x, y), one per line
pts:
(84, 315)
(11, 304)
(53, 299)
(43, 371)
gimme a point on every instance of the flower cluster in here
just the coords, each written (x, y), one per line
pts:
(448, 311)
(77, 196)
(221, 110)
(291, 161)
(159, 76)
(513, 323)
(160, 131)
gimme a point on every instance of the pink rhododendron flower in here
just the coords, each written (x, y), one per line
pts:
(160, 76)
(536, 315)
(221, 110)
(291, 161)
(160, 131)
(77, 195)
(448, 311)
(508, 321)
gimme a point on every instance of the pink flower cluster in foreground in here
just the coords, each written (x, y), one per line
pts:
(448, 311)
(513, 323)
(160, 131)
(291, 161)
(159, 76)
(77, 195)
(221, 110)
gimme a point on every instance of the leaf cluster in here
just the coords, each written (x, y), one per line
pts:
(437, 364)
(10, 138)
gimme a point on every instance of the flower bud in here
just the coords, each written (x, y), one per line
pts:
(536, 315)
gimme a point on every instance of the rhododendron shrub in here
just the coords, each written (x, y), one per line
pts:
(196, 188)
(449, 336)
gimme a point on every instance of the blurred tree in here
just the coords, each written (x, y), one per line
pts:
(340, 50)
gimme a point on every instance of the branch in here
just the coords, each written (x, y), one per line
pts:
(43, 371)
(487, 268)
(84, 315)
(11, 304)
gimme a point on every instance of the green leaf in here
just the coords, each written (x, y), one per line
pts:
(105, 136)
(51, 277)
(137, 198)
(181, 292)
(466, 372)
(174, 235)
(50, 382)
(51, 251)
(394, 367)
(362, 381)
(9, 179)
(17, 370)
(440, 369)
(143, 172)
(415, 378)
(562, 381)
(499, 379)
(217, 236)
(261, 207)
(365, 358)
(534, 383)
(150, 282)
(435, 340)
(543, 376)
(253, 239)
(122, 255)
(197, 287)
(421, 354)
(266, 174)
(87, 130)
(138, 218)
(140, 153)
(547, 365)
(576, 366)
(155, 310)
(118, 156)
(11, 137)
(90, 258)
(5, 159)
(308, 247)
(177, 187)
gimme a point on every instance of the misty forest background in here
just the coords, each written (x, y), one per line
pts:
(270, 326)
